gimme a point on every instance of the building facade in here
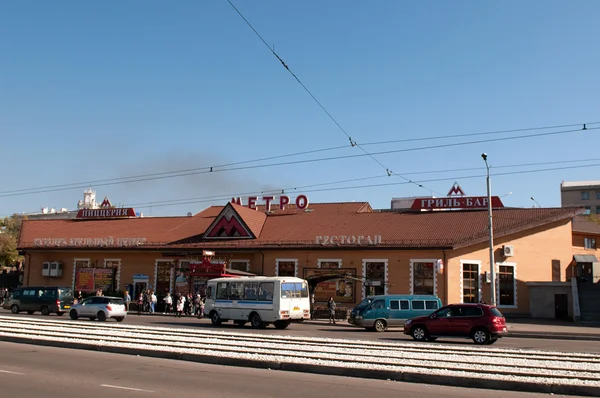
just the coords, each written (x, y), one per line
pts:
(584, 194)
(367, 252)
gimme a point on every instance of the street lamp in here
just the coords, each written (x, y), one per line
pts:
(536, 202)
(491, 230)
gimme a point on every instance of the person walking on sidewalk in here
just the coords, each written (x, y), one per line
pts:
(127, 300)
(331, 306)
(153, 301)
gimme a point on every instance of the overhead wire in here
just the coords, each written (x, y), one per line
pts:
(303, 161)
(465, 177)
(353, 143)
(175, 202)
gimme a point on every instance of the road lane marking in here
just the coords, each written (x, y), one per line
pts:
(11, 373)
(124, 388)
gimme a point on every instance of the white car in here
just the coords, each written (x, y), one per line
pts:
(99, 307)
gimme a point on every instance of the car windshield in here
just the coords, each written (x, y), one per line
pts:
(365, 303)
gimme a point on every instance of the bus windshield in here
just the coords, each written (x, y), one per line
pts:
(294, 290)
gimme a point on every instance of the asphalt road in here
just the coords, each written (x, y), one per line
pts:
(28, 371)
(342, 332)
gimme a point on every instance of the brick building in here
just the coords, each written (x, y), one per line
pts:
(374, 252)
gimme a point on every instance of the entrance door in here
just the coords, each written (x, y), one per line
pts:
(561, 306)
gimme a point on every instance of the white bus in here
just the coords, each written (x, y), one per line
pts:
(258, 300)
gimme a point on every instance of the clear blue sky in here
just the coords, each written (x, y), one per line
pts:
(98, 90)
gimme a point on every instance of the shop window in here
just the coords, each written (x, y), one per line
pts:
(375, 277)
(240, 265)
(184, 265)
(598, 195)
(589, 243)
(507, 285)
(330, 264)
(585, 195)
(423, 278)
(286, 268)
(470, 281)
(163, 276)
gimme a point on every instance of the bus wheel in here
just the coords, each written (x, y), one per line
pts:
(281, 324)
(256, 322)
(215, 318)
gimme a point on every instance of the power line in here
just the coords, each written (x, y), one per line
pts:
(352, 142)
(158, 176)
(175, 202)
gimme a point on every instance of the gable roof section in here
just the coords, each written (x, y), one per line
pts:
(212, 228)
(589, 224)
(229, 224)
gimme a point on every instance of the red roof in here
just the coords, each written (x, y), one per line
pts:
(296, 228)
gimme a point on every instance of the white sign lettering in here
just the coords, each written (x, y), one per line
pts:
(360, 240)
(89, 242)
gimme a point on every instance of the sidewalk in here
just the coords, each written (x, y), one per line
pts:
(518, 328)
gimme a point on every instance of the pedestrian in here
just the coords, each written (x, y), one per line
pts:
(153, 301)
(140, 303)
(312, 306)
(126, 300)
(180, 304)
(331, 306)
(79, 297)
(168, 303)
(201, 310)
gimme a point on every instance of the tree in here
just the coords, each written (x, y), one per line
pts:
(10, 227)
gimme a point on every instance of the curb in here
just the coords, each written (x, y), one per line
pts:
(407, 377)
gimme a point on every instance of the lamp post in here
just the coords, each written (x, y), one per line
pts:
(491, 233)
(536, 202)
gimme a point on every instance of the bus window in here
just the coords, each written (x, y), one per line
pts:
(236, 290)
(294, 290)
(251, 291)
(209, 291)
(266, 291)
(222, 291)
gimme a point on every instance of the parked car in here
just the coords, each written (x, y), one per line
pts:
(379, 312)
(99, 307)
(46, 299)
(483, 323)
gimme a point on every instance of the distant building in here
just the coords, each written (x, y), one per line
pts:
(88, 202)
(581, 194)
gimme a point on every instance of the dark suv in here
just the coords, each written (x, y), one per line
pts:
(480, 322)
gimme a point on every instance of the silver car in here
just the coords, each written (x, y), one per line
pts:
(99, 307)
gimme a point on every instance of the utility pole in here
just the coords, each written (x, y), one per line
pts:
(491, 233)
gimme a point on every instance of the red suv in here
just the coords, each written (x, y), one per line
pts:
(480, 322)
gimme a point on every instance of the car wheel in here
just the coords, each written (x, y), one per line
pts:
(481, 336)
(101, 316)
(14, 309)
(256, 322)
(45, 311)
(281, 324)
(419, 333)
(215, 319)
(380, 325)
(119, 318)
(73, 315)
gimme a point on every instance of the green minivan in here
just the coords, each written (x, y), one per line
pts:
(379, 312)
(45, 299)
